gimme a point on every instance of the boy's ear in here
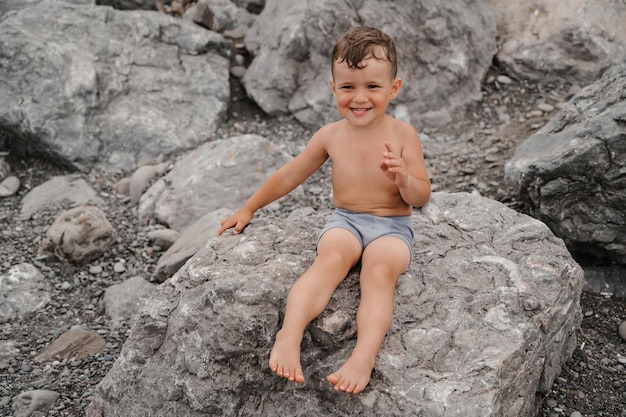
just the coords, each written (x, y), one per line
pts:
(331, 81)
(395, 88)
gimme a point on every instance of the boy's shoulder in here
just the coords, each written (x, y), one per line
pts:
(399, 124)
(329, 130)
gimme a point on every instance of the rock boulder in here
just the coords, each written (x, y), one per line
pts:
(444, 48)
(572, 172)
(485, 316)
(108, 87)
(573, 40)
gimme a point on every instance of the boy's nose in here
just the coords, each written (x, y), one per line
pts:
(360, 97)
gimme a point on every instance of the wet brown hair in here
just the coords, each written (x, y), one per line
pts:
(361, 42)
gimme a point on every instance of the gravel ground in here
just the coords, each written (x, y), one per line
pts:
(469, 155)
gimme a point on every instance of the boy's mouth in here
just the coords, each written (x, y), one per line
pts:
(359, 111)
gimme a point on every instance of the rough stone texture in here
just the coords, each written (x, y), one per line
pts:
(575, 40)
(117, 88)
(218, 174)
(194, 237)
(22, 290)
(80, 234)
(445, 49)
(74, 344)
(485, 316)
(57, 192)
(226, 14)
(7, 6)
(572, 172)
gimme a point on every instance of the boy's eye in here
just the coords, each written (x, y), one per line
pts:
(346, 87)
(372, 86)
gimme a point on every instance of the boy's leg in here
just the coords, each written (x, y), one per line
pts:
(338, 251)
(383, 261)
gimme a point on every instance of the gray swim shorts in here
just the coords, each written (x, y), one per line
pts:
(368, 227)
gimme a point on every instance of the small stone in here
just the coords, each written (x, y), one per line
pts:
(621, 330)
(550, 402)
(503, 79)
(95, 270)
(545, 107)
(238, 71)
(122, 187)
(119, 267)
(534, 113)
(9, 186)
(575, 414)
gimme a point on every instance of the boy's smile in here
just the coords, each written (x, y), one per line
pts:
(362, 95)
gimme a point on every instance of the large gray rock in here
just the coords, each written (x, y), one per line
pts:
(7, 6)
(108, 87)
(222, 173)
(445, 48)
(485, 316)
(573, 40)
(572, 172)
(194, 238)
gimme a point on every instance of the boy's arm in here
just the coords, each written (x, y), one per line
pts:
(284, 180)
(406, 168)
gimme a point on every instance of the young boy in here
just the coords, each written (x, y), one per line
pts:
(378, 176)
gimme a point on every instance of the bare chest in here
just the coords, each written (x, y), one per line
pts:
(357, 163)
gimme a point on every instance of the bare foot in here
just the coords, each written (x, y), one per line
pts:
(353, 376)
(285, 357)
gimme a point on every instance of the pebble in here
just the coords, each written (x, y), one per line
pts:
(545, 107)
(119, 267)
(95, 270)
(534, 113)
(9, 186)
(503, 79)
(575, 414)
(621, 330)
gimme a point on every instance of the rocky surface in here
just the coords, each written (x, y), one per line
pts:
(105, 82)
(446, 49)
(467, 156)
(572, 40)
(572, 172)
(485, 316)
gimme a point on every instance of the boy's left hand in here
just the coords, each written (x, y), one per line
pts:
(394, 167)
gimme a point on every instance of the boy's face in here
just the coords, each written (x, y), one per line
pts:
(362, 95)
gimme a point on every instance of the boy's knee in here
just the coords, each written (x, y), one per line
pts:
(380, 272)
(338, 258)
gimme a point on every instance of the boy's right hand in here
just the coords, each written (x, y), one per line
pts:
(239, 220)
